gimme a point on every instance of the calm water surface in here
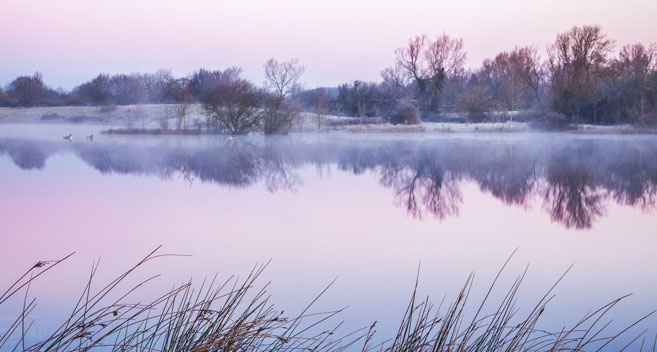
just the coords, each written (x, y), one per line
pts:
(363, 208)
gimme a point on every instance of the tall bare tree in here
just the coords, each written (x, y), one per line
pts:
(576, 62)
(445, 55)
(635, 66)
(321, 107)
(394, 78)
(282, 77)
(428, 63)
(185, 100)
(282, 80)
(410, 60)
(512, 76)
(531, 71)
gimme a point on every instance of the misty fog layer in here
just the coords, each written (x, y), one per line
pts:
(573, 179)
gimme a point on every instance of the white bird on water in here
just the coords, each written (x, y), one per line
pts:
(229, 138)
(90, 137)
(69, 137)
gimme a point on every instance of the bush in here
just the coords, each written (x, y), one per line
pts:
(107, 109)
(648, 120)
(51, 117)
(553, 121)
(280, 114)
(475, 100)
(405, 114)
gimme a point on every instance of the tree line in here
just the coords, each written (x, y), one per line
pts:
(581, 79)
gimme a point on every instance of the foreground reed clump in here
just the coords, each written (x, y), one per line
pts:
(233, 315)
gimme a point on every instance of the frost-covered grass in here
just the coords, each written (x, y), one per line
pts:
(136, 116)
(152, 116)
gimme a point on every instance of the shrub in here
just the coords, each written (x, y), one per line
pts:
(648, 120)
(107, 109)
(475, 100)
(553, 121)
(405, 114)
(280, 115)
(51, 117)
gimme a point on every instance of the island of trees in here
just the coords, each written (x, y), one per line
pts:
(583, 78)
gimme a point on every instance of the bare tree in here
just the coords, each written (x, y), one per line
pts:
(163, 119)
(445, 55)
(203, 80)
(511, 76)
(358, 98)
(185, 100)
(321, 106)
(97, 91)
(531, 71)
(362, 108)
(161, 87)
(410, 60)
(395, 78)
(634, 67)
(233, 106)
(475, 99)
(141, 115)
(576, 62)
(279, 114)
(282, 80)
(503, 80)
(129, 119)
(282, 77)
(428, 63)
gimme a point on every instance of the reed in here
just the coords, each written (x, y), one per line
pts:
(236, 315)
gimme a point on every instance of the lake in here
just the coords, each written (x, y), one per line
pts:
(370, 210)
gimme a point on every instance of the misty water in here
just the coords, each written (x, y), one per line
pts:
(366, 209)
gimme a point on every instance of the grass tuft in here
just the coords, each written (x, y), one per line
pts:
(234, 315)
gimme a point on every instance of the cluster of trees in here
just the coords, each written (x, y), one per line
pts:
(232, 103)
(31, 91)
(136, 88)
(580, 79)
(237, 106)
(588, 83)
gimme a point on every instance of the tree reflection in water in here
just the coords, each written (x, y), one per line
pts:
(571, 194)
(576, 178)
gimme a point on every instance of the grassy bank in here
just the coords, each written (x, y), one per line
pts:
(158, 119)
(236, 315)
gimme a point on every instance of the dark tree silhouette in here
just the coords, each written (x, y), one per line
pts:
(233, 106)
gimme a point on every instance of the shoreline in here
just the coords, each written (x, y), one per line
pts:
(148, 119)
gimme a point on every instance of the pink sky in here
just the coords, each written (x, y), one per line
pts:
(71, 41)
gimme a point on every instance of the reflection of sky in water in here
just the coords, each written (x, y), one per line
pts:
(321, 207)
